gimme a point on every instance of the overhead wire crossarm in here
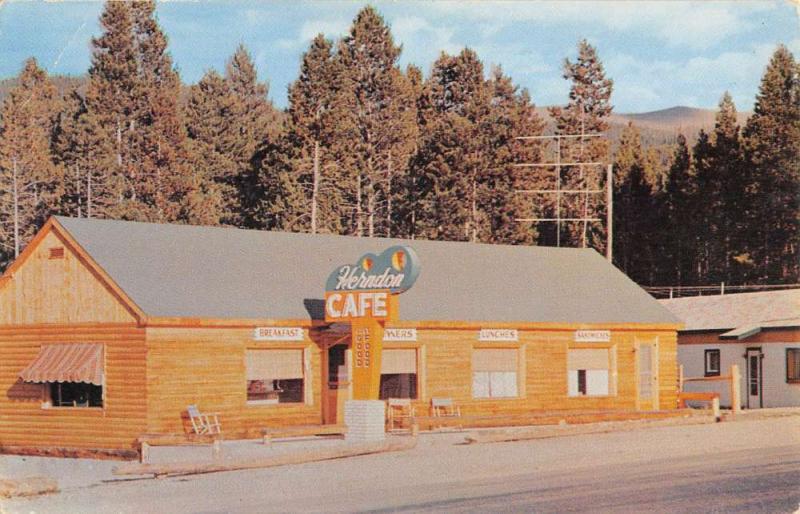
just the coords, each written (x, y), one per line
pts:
(558, 191)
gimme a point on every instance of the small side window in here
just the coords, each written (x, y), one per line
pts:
(712, 363)
(793, 365)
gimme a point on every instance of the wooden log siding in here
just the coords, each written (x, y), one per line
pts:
(206, 367)
(448, 355)
(63, 290)
(25, 424)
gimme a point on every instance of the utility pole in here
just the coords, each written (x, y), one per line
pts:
(610, 213)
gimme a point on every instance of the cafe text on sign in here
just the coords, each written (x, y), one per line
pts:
(347, 306)
(592, 336)
(278, 334)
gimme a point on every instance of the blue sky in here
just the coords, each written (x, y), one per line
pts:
(660, 54)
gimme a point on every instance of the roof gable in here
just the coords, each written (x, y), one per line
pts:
(54, 281)
(212, 272)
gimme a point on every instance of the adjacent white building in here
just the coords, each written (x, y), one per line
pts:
(759, 332)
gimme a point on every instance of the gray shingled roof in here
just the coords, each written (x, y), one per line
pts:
(740, 310)
(189, 271)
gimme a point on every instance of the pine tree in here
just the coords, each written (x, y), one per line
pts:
(132, 112)
(721, 189)
(772, 145)
(257, 124)
(704, 219)
(677, 220)
(452, 161)
(633, 209)
(30, 183)
(383, 118)
(212, 138)
(313, 197)
(511, 115)
(586, 113)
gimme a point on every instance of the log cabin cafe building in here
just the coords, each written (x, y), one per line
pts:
(110, 329)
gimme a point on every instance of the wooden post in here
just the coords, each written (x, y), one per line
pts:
(414, 429)
(736, 400)
(144, 453)
(715, 407)
(680, 378)
(216, 449)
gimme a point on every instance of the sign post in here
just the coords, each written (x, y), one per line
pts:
(365, 295)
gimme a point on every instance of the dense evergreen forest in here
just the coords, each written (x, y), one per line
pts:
(369, 149)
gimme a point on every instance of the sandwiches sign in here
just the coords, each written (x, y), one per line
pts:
(363, 289)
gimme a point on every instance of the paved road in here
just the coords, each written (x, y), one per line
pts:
(741, 481)
(749, 466)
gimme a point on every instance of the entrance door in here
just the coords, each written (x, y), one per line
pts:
(336, 383)
(754, 387)
(647, 366)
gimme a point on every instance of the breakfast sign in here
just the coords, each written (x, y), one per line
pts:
(365, 295)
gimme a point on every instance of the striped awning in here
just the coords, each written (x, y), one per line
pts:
(80, 362)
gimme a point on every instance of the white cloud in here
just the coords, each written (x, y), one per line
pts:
(679, 23)
(332, 28)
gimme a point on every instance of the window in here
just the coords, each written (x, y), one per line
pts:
(398, 373)
(275, 376)
(494, 373)
(590, 372)
(75, 394)
(793, 365)
(712, 363)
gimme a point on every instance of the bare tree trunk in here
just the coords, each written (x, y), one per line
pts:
(16, 209)
(370, 199)
(78, 186)
(359, 223)
(474, 211)
(315, 189)
(89, 194)
(389, 172)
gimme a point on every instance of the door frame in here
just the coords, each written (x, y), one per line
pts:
(760, 354)
(654, 400)
(346, 392)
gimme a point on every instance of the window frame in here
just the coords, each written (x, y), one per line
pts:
(612, 370)
(418, 355)
(305, 356)
(520, 372)
(792, 380)
(706, 370)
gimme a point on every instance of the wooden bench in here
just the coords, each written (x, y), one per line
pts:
(268, 434)
(711, 397)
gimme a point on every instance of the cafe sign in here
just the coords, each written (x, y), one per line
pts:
(362, 290)
(365, 295)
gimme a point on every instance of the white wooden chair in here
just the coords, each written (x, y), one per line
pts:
(204, 423)
(400, 414)
(445, 408)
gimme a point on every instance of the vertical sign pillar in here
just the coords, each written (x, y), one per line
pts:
(367, 336)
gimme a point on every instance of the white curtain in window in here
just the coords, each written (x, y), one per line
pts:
(274, 364)
(503, 384)
(480, 384)
(398, 361)
(587, 358)
(597, 382)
